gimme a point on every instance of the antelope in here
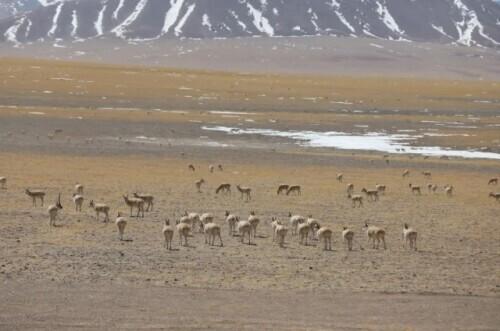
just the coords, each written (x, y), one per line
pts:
(100, 208)
(495, 195)
(415, 189)
(191, 167)
(168, 234)
(198, 184)
(427, 174)
(348, 237)
(220, 167)
(211, 168)
(35, 194)
(134, 202)
(294, 189)
(449, 190)
(224, 188)
(493, 181)
(375, 233)
(148, 198)
(340, 177)
(232, 221)
(350, 188)
(372, 194)
(409, 235)
(121, 223)
(380, 188)
(3, 182)
(406, 173)
(78, 200)
(79, 189)
(53, 209)
(245, 192)
(356, 198)
(282, 188)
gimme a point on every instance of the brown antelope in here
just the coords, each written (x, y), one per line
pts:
(223, 188)
(3, 182)
(493, 181)
(100, 208)
(245, 192)
(35, 194)
(282, 188)
(415, 189)
(198, 184)
(294, 189)
(191, 167)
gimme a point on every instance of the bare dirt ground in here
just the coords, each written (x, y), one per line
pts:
(79, 275)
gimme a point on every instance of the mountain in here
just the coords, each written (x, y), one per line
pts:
(465, 22)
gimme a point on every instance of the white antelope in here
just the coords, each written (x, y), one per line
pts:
(134, 203)
(409, 236)
(295, 220)
(78, 200)
(280, 233)
(340, 177)
(148, 199)
(406, 173)
(356, 199)
(350, 188)
(100, 208)
(168, 234)
(254, 222)
(35, 194)
(415, 189)
(245, 229)
(183, 229)
(348, 237)
(79, 189)
(324, 234)
(372, 194)
(121, 223)
(212, 231)
(374, 233)
(53, 210)
(231, 221)
(303, 230)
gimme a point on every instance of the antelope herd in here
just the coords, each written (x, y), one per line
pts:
(306, 228)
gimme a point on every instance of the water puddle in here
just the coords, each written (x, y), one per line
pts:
(381, 142)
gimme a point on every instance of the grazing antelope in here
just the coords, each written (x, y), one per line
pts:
(3, 182)
(340, 177)
(356, 198)
(53, 209)
(409, 236)
(121, 223)
(245, 192)
(495, 196)
(134, 202)
(35, 194)
(148, 198)
(191, 167)
(79, 189)
(294, 189)
(282, 188)
(168, 234)
(415, 189)
(406, 173)
(78, 200)
(100, 208)
(198, 184)
(224, 188)
(372, 194)
(427, 174)
(374, 233)
(493, 181)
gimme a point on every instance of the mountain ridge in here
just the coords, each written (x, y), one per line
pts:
(464, 22)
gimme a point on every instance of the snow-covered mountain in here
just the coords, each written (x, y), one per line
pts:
(466, 22)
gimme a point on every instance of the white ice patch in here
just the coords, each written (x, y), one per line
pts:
(440, 29)
(121, 29)
(117, 10)
(98, 23)
(388, 20)
(381, 142)
(336, 7)
(220, 112)
(468, 25)
(240, 23)
(206, 22)
(55, 19)
(180, 25)
(74, 24)
(172, 15)
(260, 22)
(11, 33)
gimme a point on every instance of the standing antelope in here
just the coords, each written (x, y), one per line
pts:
(100, 208)
(220, 167)
(415, 189)
(340, 178)
(348, 237)
(121, 223)
(409, 235)
(231, 220)
(53, 209)
(427, 174)
(356, 198)
(350, 188)
(372, 194)
(198, 184)
(35, 194)
(191, 167)
(282, 188)
(3, 182)
(254, 222)
(168, 234)
(134, 202)
(374, 233)
(78, 200)
(148, 198)
(448, 189)
(245, 192)
(406, 173)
